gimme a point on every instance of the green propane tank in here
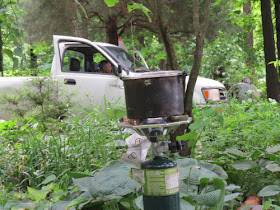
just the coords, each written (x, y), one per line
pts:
(161, 185)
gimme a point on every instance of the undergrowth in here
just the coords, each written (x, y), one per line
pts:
(242, 138)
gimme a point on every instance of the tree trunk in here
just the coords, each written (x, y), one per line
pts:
(200, 31)
(277, 15)
(247, 11)
(250, 41)
(33, 62)
(269, 51)
(172, 62)
(112, 31)
(81, 28)
(1, 53)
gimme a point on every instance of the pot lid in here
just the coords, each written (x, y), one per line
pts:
(153, 74)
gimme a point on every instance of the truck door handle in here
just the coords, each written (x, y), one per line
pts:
(69, 82)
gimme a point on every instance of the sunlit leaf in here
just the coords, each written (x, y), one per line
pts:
(231, 196)
(79, 16)
(37, 195)
(186, 205)
(199, 124)
(273, 149)
(49, 179)
(207, 199)
(8, 53)
(243, 164)
(139, 202)
(144, 9)
(76, 202)
(111, 3)
(273, 167)
(113, 179)
(270, 190)
(188, 136)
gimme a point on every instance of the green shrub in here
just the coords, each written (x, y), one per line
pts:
(42, 99)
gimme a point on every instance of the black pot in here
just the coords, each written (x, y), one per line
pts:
(154, 94)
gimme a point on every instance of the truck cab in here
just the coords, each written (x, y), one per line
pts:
(77, 64)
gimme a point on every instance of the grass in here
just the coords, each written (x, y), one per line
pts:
(30, 155)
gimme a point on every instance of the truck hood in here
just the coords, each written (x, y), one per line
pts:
(9, 83)
(204, 82)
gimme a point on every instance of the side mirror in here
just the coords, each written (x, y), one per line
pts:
(117, 70)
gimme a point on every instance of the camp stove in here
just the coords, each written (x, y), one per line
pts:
(154, 103)
(157, 131)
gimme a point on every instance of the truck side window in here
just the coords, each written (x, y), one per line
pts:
(73, 61)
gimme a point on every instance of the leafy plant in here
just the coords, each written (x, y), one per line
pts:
(41, 99)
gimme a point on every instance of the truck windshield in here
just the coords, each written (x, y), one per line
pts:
(128, 60)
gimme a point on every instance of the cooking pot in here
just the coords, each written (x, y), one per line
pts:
(154, 94)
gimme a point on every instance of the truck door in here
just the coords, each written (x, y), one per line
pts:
(77, 64)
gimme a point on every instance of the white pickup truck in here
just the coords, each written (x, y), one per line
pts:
(76, 63)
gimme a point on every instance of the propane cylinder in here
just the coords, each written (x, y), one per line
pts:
(161, 186)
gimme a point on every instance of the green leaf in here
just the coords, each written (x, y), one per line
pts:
(234, 153)
(183, 164)
(220, 119)
(273, 167)
(192, 143)
(8, 52)
(243, 164)
(37, 195)
(117, 111)
(232, 187)
(199, 124)
(210, 112)
(270, 190)
(139, 202)
(125, 204)
(49, 179)
(18, 52)
(79, 16)
(144, 9)
(219, 184)
(231, 196)
(272, 150)
(186, 205)
(82, 8)
(188, 136)
(76, 202)
(215, 168)
(113, 179)
(111, 3)
(208, 199)
(77, 175)
(272, 156)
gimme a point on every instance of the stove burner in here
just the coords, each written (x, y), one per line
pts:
(159, 127)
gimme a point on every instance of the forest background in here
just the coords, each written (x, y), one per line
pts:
(233, 39)
(233, 45)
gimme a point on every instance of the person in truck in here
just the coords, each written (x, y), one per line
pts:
(106, 67)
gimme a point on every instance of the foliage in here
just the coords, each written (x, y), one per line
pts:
(224, 56)
(243, 138)
(202, 184)
(41, 99)
(227, 142)
(30, 153)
